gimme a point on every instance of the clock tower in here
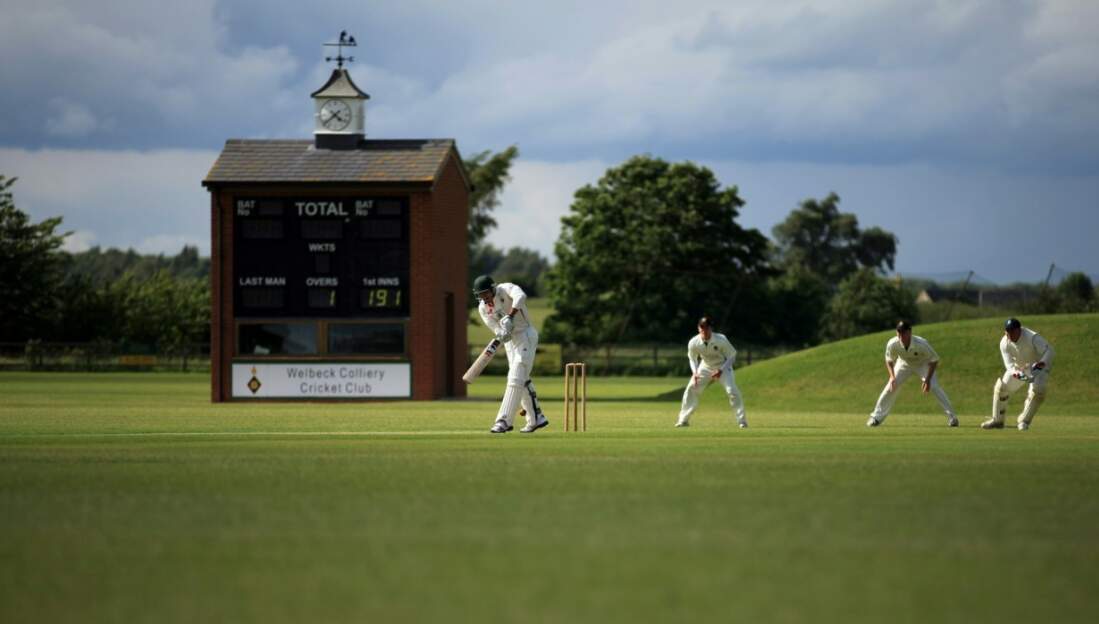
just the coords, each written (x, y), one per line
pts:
(339, 106)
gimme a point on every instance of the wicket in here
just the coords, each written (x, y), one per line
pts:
(576, 396)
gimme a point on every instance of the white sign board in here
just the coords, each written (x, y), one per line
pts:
(321, 380)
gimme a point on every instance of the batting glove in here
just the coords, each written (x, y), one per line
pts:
(507, 324)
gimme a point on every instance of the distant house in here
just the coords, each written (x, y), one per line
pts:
(996, 297)
(935, 294)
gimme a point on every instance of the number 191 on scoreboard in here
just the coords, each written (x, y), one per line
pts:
(381, 297)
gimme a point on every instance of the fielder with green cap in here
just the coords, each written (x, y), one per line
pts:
(503, 308)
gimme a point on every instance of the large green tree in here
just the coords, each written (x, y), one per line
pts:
(819, 238)
(646, 250)
(31, 269)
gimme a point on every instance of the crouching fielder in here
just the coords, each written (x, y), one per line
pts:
(1028, 358)
(503, 308)
(906, 355)
(711, 357)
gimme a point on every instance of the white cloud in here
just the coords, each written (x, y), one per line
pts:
(827, 80)
(116, 198)
(533, 203)
(155, 67)
(78, 241)
(70, 119)
(169, 244)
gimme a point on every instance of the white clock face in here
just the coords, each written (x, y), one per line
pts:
(335, 115)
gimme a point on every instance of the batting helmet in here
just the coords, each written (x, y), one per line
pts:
(483, 283)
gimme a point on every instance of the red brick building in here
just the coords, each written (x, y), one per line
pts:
(339, 265)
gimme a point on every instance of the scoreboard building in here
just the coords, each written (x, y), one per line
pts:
(339, 264)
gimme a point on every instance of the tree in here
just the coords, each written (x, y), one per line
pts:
(647, 250)
(866, 302)
(1076, 293)
(164, 312)
(105, 266)
(30, 269)
(518, 265)
(820, 238)
(524, 267)
(87, 312)
(796, 301)
(488, 173)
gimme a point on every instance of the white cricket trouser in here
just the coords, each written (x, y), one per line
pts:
(1007, 385)
(520, 388)
(903, 371)
(694, 391)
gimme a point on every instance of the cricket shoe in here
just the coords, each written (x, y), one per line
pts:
(873, 422)
(1023, 426)
(743, 424)
(683, 424)
(953, 422)
(539, 422)
(992, 424)
(500, 427)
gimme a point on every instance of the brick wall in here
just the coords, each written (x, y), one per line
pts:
(439, 265)
(452, 197)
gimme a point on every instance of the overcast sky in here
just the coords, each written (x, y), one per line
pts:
(969, 128)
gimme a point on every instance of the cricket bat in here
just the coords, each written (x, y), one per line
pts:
(481, 362)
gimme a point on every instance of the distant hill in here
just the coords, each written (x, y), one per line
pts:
(847, 376)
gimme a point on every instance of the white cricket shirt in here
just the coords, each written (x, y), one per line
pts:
(508, 296)
(717, 353)
(918, 353)
(1030, 349)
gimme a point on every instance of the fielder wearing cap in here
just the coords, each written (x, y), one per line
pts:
(503, 308)
(711, 357)
(906, 355)
(1028, 358)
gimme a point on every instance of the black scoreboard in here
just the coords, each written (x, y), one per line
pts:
(321, 257)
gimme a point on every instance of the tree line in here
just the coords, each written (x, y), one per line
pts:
(641, 254)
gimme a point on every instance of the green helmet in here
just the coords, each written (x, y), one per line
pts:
(483, 283)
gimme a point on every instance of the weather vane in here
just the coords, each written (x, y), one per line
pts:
(344, 42)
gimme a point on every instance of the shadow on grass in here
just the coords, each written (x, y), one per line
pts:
(667, 397)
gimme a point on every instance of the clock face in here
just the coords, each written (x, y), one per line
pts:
(335, 115)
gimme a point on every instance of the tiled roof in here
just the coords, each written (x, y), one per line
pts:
(394, 161)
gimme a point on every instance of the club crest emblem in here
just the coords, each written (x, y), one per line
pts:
(254, 383)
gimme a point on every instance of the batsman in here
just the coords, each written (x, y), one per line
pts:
(503, 308)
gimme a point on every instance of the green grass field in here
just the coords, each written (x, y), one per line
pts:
(129, 497)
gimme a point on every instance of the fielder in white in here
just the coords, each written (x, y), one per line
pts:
(711, 356)
(1028, 358)
(503, 308)
(906, 355)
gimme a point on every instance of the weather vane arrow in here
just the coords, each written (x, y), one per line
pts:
(345, 41)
